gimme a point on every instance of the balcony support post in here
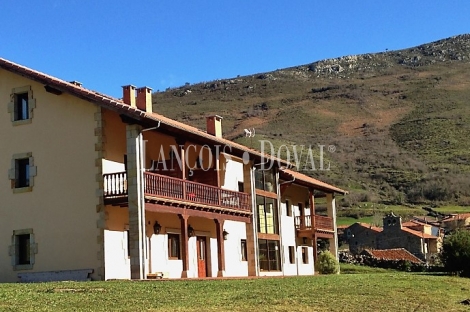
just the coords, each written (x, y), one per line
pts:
(311, 199)
(183, 156)
(184, 244)
(219, 227)
(136, 202)
(331, 209)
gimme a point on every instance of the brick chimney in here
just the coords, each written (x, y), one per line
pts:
(144, 99)
(128, 95)
(214, 125)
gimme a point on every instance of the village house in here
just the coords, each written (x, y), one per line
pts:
(102, 188)
(415, 237)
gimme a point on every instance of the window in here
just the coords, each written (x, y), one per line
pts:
(23, 249)
(174, 246)
(268, 256)
(267, 215)
(264, 180)
(128, 244)
(291, 254)
(288, 208)
(305, 255)
(21, 105)
(241, 187)
(244, 250)
(22, 172)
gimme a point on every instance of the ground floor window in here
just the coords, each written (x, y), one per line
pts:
(305, 255)
(23, 249)
(268, 255)
(174, 246)
(244, 250)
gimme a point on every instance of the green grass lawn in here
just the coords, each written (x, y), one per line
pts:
(350, 220)
(390, 291)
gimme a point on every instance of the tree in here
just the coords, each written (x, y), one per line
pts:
(455, 254)
(327, 263)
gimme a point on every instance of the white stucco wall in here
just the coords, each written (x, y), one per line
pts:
(234, 266)
(288, 239)
(305, 268)
(233, 174)
(117, 262)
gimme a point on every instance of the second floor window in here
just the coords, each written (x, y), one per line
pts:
(265, 180)
(267, 215)
(22, 172)
(21, 106)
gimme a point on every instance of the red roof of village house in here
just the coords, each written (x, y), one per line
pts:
(369, 226)
(418, 233)
(123, 108)
(393, 254)
(317, 184)
(460, 216)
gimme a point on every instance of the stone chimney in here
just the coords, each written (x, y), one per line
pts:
(144, 99)
(214, 125)
(128, 95)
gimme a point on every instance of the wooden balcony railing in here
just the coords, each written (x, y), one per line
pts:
(115, 184)
(320, 223)
(157, 185)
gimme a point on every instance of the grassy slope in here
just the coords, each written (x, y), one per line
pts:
(399, 120)
(390, 291)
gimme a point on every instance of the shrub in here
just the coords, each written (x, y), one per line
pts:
(327, 263)
(455, 254)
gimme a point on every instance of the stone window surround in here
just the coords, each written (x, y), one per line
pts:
(33, 250)
(12, 105)
(32, 172)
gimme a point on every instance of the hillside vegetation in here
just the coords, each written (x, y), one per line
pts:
(399, 121)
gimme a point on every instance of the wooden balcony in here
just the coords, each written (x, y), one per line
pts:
(174, 191)
(320, 223)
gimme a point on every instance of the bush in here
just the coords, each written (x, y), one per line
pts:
(327, 263)
(455, 254)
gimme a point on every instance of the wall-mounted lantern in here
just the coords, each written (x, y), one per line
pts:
(225, 234)
(191, 232)
(157, 228)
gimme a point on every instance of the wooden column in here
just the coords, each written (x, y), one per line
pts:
(219, 227)
(184, 244)
(311, 199)
(216, 156)
(181, 144)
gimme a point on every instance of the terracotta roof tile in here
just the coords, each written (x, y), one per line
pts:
(460, 216)
(369, 226)
(418, 233)
(393, 254)
(123, 108)
(311, 181)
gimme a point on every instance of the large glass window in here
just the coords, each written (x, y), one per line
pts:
(265, 180)
(267, 215)
(268, 255)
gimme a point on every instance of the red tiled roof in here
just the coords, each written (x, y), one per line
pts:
(122, 108)
(460, 216)
(317, 184)
(418, 233)
(393, 254)
(369, 226)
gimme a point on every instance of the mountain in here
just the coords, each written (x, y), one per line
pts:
(395, 125)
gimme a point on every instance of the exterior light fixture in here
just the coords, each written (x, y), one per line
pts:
(190, 231)
(157, 228)
(225, 234)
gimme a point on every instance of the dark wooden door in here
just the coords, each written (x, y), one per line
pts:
(201, 256)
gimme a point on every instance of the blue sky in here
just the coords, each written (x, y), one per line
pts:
(106, 44)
